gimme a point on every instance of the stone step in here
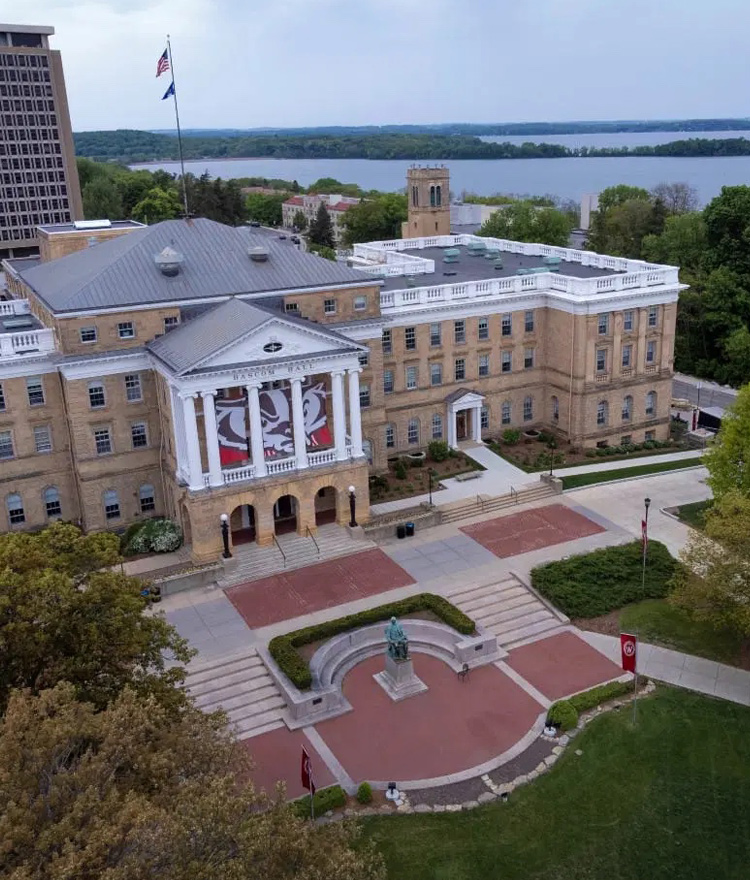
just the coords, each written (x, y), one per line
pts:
(259, 724)
(492, 505)
(543, 629)
(531, 617)
(257, 678)
(243, 664)
(497, 597)
(238, 699)
(262, 707)
(477, 591)
(505, 613)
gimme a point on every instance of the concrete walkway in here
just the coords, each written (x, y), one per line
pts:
(683, 670)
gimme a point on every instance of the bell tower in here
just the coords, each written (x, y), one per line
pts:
(428, 195)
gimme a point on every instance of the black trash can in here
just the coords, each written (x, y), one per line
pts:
(409, 530)
(400, 532)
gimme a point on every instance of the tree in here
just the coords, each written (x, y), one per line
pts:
(101, 200)
(321, 228)
(329, 185)
(677, 198)
(266, 208)
(728, 460)
(157, 205)
(613, 196)
(133, 792)
(299, 221)
(727, 220)
(322, 251)
(682, 243)
(376, 219)
(522, 221)
(67, 615)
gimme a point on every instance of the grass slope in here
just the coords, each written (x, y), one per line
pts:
(576, 480)
(666, 800)
(694, 514)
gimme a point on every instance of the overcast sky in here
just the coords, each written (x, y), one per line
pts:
(253, 63)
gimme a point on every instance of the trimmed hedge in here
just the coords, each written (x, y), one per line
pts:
(604, 580)
(364, 793)
(564, 713)
(331, 798)
(283, 649)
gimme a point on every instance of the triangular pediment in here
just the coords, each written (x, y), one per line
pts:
(464, 397)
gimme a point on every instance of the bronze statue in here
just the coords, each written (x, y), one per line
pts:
(398, 644)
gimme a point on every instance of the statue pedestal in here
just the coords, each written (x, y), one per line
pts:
(398, 679)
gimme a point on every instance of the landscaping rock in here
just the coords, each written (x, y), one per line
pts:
(551, 760)
(404, 808)
(541, 767)
(469, 805)
(438, 808)
(486, 797)
(530, 777)
(453, 808)
(423, 808)
(579, 752)
(564, 740)
(385, 808)
(557, 750)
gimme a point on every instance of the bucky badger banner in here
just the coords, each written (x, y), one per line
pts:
(276, 420)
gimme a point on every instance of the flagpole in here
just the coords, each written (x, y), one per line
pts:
(635, 680)
(179, 133)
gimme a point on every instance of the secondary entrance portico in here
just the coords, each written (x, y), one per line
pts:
(464, 411)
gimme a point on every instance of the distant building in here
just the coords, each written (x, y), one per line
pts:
(589, 204)
(309, 205)
(470, 217)
(38, 176)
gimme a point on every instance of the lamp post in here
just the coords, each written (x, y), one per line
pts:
(225, 535)
(644, 537)
(429, 478)
(551, 446)
(352, 507)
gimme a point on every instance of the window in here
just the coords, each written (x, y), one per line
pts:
(601, 360)
(602, 413)
(603, 325)
(126, 330)
(483, 328)
(528, 409)
(97, 398)
(140, 438)
(555, 409)
(103, 441)
(528, 359)
(649, 435)
(653, 316)
(51, 498)
(651, 404)
(459, 332)
(505, 413)
(364, 358)
(291, 307)
(506, 360)
(651, 352)
(626, 440)
(437, 427)
(435, 336)
(6, 444)
(484, 418)
(111, 504)
(170, 322)
(364, 394)
(16, 515)
(387, 341)
(410, 338)
(484, 365)
(43, 438)
(627, 321)
(329, 306)
(627, 408)
(627, 357)
(2, 399)
(133, 390)
(528, 322)
(390, 437)
(360, 303)
(411, 378)
(147, 498)
(412, 434)
(35, 390)
(460, 369)
(436, 374)
(88, 334)
(388, 381)
(507, 325)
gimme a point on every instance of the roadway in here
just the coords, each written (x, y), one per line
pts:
(702, 393)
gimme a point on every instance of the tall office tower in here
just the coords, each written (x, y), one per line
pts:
(38, 175)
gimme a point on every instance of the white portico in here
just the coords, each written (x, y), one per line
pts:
(464, 416)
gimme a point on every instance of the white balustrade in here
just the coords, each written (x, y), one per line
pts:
(238, 474)
(282, 465)
(15, 307)
(28, 342)
(323, 456)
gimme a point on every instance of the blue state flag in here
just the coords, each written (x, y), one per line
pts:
(169, 91)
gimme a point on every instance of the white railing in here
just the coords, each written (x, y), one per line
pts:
(320, 458)
(282, 466)
(323, 456)
(27, 343)
(14, 307)
(237, 475)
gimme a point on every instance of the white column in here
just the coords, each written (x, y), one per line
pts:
(298, 424)
(178, 430)
(212, 439)
(195, 468)
(355, 419)
(256, 430)
(477, 426)
(452, 428)
(339, 415)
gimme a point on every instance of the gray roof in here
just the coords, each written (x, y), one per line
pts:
(121, 271)
(186, 347)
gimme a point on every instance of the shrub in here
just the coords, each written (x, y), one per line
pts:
(416, 462)
(400, 469)
(511, 436)
(596, 583)
(599, 452)
(364, 793)
(378, 483)
(562, 715)
(154, 536)
(438, 450)
(649, 444)
(603, 693)
(331, 798)
(590, 453)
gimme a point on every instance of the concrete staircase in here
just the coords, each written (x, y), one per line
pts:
(459, 510)
(242, 687)
(254, 563)
(508, 609)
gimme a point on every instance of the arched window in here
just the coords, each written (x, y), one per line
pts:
(111, 504)
(147, 498)
(437, 426)
(367, 450)
(650, 404)
(51, 498)
(555, 408)
(432, 196)
(415, 196)
(412, 433)
(438, 196)
(505, 412)
(528, 409)
(627, 408)
(602, 412)
(390, 437)
(16, 515)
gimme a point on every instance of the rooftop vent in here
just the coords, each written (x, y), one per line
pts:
(169, 261)
(258, 254)
(92, 224)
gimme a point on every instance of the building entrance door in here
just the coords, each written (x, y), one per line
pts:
(285, 515)
(462, 426)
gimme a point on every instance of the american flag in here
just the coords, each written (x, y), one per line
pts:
(162, 65)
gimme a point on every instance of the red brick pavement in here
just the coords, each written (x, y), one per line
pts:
(531, 530)
(294, 593)
(562, 665)
(277, 756)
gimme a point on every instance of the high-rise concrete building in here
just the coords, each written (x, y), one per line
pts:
(38, 176)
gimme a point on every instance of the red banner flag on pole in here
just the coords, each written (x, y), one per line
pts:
(644, 534)
(307, 772)
(629, 649)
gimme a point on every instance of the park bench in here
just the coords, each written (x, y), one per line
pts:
(471, 475)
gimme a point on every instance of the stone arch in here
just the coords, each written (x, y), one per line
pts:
(187, 529)
(326, 505)
(286, 511)
(243, 524)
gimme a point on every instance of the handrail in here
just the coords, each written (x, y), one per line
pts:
(514, 494)
(480, 502)
(280, 550)
(310, 535)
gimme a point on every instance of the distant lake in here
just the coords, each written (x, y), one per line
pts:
(564, 178)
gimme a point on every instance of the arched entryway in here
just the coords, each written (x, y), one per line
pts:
(187, 534)
(242, 524)
(325, 506)
(285, 515)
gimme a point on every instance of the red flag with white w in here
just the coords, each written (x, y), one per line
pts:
(306, 772)
(644, 534)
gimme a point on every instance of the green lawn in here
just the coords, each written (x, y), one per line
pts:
(694, 514)
(667, 799)
(590, 479)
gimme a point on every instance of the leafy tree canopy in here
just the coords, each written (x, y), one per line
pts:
(375, 219)
(266, 207)
(728, 460)
(156, 205)
(522, 221)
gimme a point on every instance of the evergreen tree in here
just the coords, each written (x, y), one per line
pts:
(101, 200)
(321, 229)
(299, 221)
